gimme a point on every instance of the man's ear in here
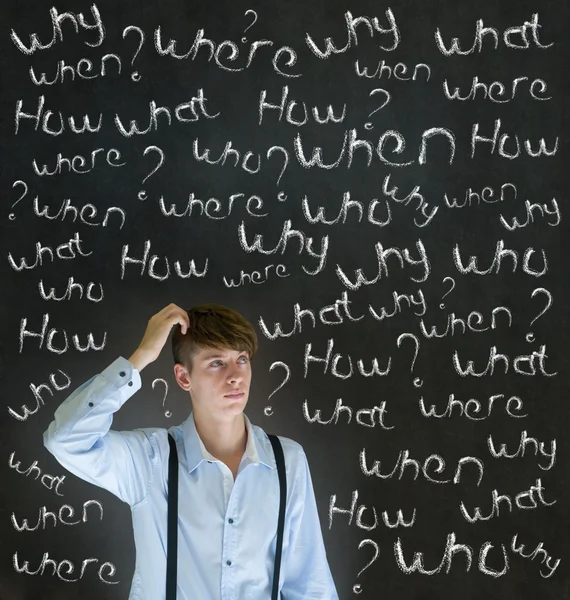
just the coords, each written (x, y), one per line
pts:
(182, 377)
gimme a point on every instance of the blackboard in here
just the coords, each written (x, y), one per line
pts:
(381, 189)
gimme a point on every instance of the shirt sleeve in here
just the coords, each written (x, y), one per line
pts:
(307, 572)
(81, 440)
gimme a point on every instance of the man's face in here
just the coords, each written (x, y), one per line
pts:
(216, 376)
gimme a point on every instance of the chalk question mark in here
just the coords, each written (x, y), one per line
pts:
(167, 413)
(244, 39)
(388, 97)
(135, 75)
(142, 193)
(12, 216)
(273, 149)
(268, 411)
(530, 335)
(442, 305)
(357, 588)
(417, 381)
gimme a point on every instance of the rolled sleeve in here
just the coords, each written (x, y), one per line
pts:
(81, 439)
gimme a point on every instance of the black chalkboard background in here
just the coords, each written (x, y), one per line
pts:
(363, 558)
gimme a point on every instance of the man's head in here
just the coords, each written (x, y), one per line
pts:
(213, 358)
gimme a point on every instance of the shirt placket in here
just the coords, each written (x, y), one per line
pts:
(230, 535)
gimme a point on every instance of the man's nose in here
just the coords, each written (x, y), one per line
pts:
(235, 375)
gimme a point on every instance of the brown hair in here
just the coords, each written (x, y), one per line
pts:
(212, 326)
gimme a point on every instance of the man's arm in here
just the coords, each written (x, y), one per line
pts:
(81, 440)
(307, 572)
(80, 436)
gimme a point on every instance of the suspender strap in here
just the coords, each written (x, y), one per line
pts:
(172, 543)
(280, 459)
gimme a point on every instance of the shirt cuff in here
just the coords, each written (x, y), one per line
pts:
(123, 375)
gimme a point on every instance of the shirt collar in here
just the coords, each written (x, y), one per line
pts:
(256, 448)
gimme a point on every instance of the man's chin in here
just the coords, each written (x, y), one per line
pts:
(236, 403)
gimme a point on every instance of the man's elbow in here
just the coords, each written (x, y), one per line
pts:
(54, 440)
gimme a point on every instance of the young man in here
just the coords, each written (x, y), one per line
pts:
(228, 483)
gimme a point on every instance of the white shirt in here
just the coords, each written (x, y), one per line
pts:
(227, 529)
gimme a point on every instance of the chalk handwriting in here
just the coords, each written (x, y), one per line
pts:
(49, 481)
(398, 71)
(372, 25)
(257, 277)
(302, 114)
(514, 145)
(213, 208)
(44, 514)
(486, 196)
(72, 286)
(513, 37)
(228, 51)
(349, 205)
(472, 407)
(305, 244)
(50, 344)
(400, 520)
(530, 210)
(66, 251)
(538, 550)
(368, 417)
(78, 20)
(246, 163)
(524, 364)
(77, 163)
(488, 91)
(85, 213)
(433, 462)
(524, 501)
(196, 107)
(335, 370)
(391, 142)
(65, 567)
(82, 70)
(501, 253)
(403, 258)
(472, 322)
(451, 549)
(149, 265)
(352, 143)
(37, 392)
(539, 447)
(332, 315)
(75, 125)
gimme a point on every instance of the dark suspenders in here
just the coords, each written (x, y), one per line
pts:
(172, 539)
(172, 544)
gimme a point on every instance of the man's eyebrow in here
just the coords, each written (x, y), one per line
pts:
(210, 356)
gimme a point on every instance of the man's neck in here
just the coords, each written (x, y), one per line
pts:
(224, 440)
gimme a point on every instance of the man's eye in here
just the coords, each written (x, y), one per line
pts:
(244, 357)
(216, 361)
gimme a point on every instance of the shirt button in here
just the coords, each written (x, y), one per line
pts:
(230, 521)
(130, 383)
(122, 373)
(228, 562)
(90, 403)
